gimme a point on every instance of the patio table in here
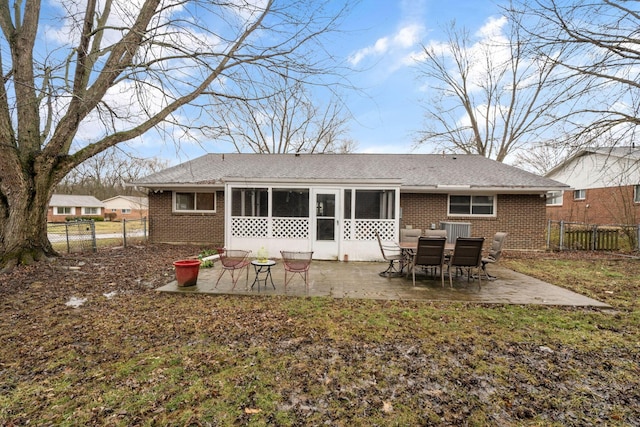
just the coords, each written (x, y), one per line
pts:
(263, 268)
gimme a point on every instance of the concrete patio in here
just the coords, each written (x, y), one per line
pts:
(361, 280)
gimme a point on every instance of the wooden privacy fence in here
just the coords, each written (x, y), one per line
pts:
(579, 236)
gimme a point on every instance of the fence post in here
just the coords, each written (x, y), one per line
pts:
(144, 228)
(124, 232)
(66, 232)
(561, 245)
(638, 237)
(594, 237)
(548, 234)
(93, 236)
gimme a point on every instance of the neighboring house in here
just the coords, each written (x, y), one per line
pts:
(604, 187)
(63, 206)
(126, 207)
(333, 204)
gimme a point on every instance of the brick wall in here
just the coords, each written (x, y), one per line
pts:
(522, 216)
(194, 228)
(613, 205)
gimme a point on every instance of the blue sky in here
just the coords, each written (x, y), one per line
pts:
(377, 38)
(383, 35)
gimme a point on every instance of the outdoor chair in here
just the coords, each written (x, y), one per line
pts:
(495, 252)
(410, 234)
(467, 254)
(233, 261)
(435, 233)
(393, 255)
(296, 263)
(430, 253)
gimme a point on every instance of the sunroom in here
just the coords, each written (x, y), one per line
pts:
(336, 222)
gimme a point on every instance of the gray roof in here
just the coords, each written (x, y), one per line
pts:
(413, 172)
(71, 200)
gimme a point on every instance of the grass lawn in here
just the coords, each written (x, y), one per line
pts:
(137, 357)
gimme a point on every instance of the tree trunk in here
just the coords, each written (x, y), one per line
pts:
(24, 226)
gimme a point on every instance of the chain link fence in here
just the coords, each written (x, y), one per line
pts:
(87, 236)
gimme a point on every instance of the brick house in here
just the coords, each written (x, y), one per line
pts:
(604, 187)
(127, 207)
(333, 204)
(63, 206)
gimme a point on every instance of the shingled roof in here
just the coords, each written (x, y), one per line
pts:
(413, 172)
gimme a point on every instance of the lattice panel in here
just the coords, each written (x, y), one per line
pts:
(346, 229)
(366, 229)
(290, 228)
(249, 227)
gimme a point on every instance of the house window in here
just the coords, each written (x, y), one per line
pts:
(250, 202)
(375, 204)
(579, 194)
(554, 198)
(114, 210)
(125, 211)
(193, 201)
(471, 205)
(636, 193)
(64, 210)
(290, 202)
(90, 211)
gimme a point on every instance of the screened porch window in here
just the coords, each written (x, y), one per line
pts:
(290, 202)
(250, 202)
(373, 204)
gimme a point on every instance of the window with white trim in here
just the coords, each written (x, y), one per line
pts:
(64, 210)
(636, 193)
(472, 205)
(125, 211)
(554, 198)
(90, 211)
(184, 201)
(579, 194)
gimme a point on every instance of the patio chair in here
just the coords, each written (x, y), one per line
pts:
(410, 234)
(495, 252)
(430, 253)
(435, 233)
(296, 263)
(392, 254)
(467, 254)
(233, 260)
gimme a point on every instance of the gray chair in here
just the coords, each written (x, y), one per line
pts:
(410, 234)
(495, 252)
(429, 253)
(467, 254)
(435, 233)
(393, 255)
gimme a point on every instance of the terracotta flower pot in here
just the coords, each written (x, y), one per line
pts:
(187, 272)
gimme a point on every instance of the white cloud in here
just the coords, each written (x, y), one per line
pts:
(396, 44)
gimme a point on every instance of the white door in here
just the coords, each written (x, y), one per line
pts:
(326, 230)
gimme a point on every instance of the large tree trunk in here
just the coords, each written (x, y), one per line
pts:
(23, 219)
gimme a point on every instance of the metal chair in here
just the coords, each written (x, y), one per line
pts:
(392, 254)
(467, 254)
(233, 260)
(495, 252)
(430, 253)
(296, 263)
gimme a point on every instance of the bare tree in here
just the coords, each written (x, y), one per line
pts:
(597, 43)
(283, 117)
(106, 174)
(114, 70)
(488, 95)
